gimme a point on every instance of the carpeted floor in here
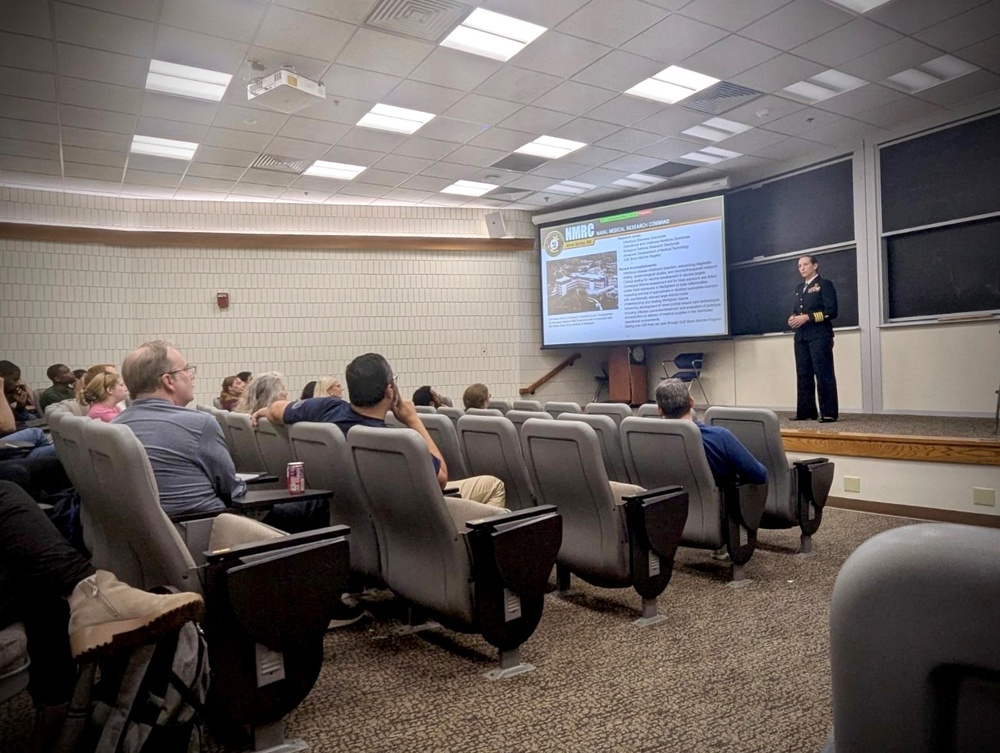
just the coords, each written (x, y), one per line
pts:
(734, 670)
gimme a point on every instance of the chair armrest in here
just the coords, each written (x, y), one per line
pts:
(510, 517)
(265, 499)
(281, 542)
(263, 478)
(656, 519)
(186, 517)
(814, 479)
(745, 503)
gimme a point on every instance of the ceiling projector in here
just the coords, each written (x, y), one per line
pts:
(285, 91)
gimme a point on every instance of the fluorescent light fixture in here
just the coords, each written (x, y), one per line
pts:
(468, 188)
(710, 155)
(185, 81)
(395, 119)
(823, 86)
(163, 147)
(716, 129)
(933, 72)
(336, 170)
(492, 35)
(858, 6)
(571, 188)
(551, 147)
(638, 180)
(672, 85)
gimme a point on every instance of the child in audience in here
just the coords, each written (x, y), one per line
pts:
(104, 393)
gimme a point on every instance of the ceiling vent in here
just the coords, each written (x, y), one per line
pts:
(509, 194)
(719, 98)
(281, 164)
(669, 169)
(427, 20)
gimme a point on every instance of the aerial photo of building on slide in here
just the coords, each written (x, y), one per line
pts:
(583, 283)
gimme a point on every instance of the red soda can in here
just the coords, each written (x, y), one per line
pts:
(295, 478)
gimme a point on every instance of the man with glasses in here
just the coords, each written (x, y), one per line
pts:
(373, 391)
(187, 451)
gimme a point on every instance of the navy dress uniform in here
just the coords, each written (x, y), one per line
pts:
(814, 350)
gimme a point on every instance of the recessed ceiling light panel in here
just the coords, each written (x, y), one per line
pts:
(336, 170)
(823, 86)
(492, 35)
(468, 188)
(571, 187)
(933, 72)
(186, 81)
(858, 6)
(395, 119)
(637, 180)
(550, 147)
(163, 147)
(672, 85)
(716, 129)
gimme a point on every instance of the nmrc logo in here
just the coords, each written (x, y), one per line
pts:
(580, 232)
(553, 243)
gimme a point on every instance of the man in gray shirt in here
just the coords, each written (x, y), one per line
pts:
(187, 451)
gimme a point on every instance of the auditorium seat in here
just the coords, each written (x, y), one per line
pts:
(425, 408)
(268, 596)
(67, 406)
(472, 570)
(648, 410)
(611, 444)
(501, 405)
(518, 417)
(796, 490)
(555, 407)
(442, 431)
(615, 535)
(245, 452)
(914, 656)
(663, 452)
(617, 411)
(535, 405)
(275, 448)
(491, 448)
(483, 412)
(453, 413)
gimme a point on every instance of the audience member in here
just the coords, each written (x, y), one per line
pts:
(329, 386)
(373, 393)
(232, 391)
(308, 391)
(104, 393)
(81, 384)
(192, 465)
(728, 459)
(62, 386)
(263, 390)
(79, 373)
(12, 372)
(427, 395)
(246, 376)
(69, 609)
(476, 396)
(18, 398)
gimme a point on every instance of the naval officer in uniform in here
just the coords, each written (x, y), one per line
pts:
(812, 313)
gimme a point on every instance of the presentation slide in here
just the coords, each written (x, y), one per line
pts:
(648, 275)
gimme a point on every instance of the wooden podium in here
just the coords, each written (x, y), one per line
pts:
(626, 379)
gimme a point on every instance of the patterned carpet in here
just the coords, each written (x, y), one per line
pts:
(734, 670)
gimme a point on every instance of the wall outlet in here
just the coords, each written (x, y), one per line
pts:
(985, 497)
(852, 483)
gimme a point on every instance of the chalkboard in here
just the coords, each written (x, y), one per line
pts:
(946, 270)
(761, 295)
(807, 210)
(942, 176)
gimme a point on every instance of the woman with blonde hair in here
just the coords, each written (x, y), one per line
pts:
(329, 386)
(265, 389)
(81, 384)
(103, 393)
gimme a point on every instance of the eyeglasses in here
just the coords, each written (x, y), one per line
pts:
(190, 368)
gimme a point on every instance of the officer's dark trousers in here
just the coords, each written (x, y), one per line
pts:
(814, 369)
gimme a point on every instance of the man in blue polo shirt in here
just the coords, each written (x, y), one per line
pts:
(373, 392)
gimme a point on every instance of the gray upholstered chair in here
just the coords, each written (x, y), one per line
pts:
(425, 408)
(501, 405)
(442, 431)
(203, 408)
(220, 417)
(491, 447)
(275, 448)
(648, 410)
(471, 569)
(914, 656)
(268, 596)
(67, 406)
(217, 402)
(614, 535)
(518, 417)
(617, 411)
(453, 413)
(663, 452)
(534, 405)
(796, 490)
(611, 443)
(245, 452)
(483, 412)
(323, 449)
(66, 431)
(392, 421)
(555, 407)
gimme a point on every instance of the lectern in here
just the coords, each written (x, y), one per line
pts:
(627, 375)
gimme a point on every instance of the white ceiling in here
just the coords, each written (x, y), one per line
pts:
(72, 96)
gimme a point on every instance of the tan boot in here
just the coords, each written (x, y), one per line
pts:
(106, 614)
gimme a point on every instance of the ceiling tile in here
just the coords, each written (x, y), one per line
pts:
(504, 139)
(297, 148)
(426, 183)
(28, 84)
(611, 22)
(668, 149)
(518, 85)
(416, 95)
(671, 120)
(629, 140)
(93, 172)
(400, 164)
(900, 111)
(28, 53)
(36, 149)
(593, 156)
(96, 139)
(29, 131)
(967, 87)
(232, 19)
(386, 53)
(310, 129)
(349, 155)
(574, 97)
(625, 110)
(77, 91)
(265, 178)
(103, 31)
(417, 146)
(337, 110)
(963, 30)
(197, 183)
(218, 155)
(199, 50)
(559, 54)
(547, 14)
(729, 56)
(159, 164)
(729, 15)
(232, 139)
(792, 148)
(475, 156)
(448, 129)
(98, 65)
(353, 12)
(890, 59)
(454, 69)
(845, 131)
(262, 190)
(749, 142)
(803, 122)
(618, 71)
(559, 169)
(98, 120)
(311, 196)
(365, 86)
(30, 165)
(536, 119)
(26, 17)
(449, 171)
(290, 30)
(374, 176)
(600, 176)
(357, 188)
(847, 42)
(985, 54)
(475, 108)
(408, 194)
(146, 10)
(777, 73)
(914, 15)
(369, 138)
(157, 105)
(763, 110)
(28, 109)
(171, 129)
(316, 183)
(137, 190)
(246, 119)
(586, 130)
(861, 99)
(190, 195)
(797, 23)
(208, 170)
(674, 39)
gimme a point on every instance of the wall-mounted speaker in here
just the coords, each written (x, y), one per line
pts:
(495, 225)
